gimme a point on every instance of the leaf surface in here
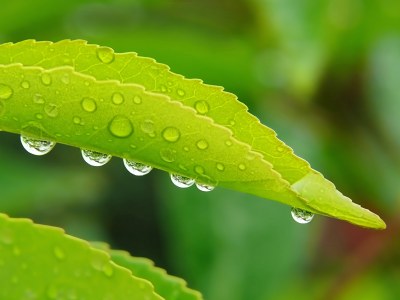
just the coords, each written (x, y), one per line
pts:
(218, 142)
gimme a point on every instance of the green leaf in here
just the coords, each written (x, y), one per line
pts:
(133, 107)
(167, 286)
(41, 262)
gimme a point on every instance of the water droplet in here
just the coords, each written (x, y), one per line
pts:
(95, 158)
(39, 116)
(181, 181)
(242, 167)
(279, 149)
(180, 92)
(105, 54)
(204, 187)
(228, 143)
(117, 98)
(301, 216)
(220, 167)
(137, 168)
(107, 269)
(163, 88)
(202, 144)
(137, 100)
(147, 126)
(38, 98)
(65, 78)
(232, 122)
(167, 155)
(199, 170)
(51, 110)
(59, 253)
(201, 107)
(77, 120)
(46, 79)
(186, 149)
(35, 146)
(5, 91)
(120, 126)
(25, 84)
(89, 104)
(171, 134)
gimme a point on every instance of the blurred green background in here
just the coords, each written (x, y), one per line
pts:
(324, 74)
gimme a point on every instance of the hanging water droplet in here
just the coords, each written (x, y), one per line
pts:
(117, 98)
(95, 158)
(46, 79)
(25, 84)
(181, 181)
(204, 187)
(35, 146)
(89, 104)
(137, 100)
(51, 110)
(171, 134)
(301, 216)
(137, 168)
(220, 167)
(5, 91)
(105, 54)
(120, 126)
(201, 107)
(202, 144)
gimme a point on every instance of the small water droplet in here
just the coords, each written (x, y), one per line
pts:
(95, 158)
(181, 181)
(5, 91)
(186, 149)
(89, 104)
(220, 167)
(171, 134)
(199, 170)
(35, 146)
(107, 269)
(46, 79)
(242, 167)
(65, 78)
(228, 143)
(201, 107)
(77, 120)
(204, 187)
(59, 253)
(120, 126)
(232, 122)
(301, 216)
(163, 89)
(180, 92)
(279, 149)
(137, 100)
(136, 168)
(51, 110)
(202, 144)
(117, 98)
(25, 84)
(39, 116)
(167, 155)
(38, 98)
(147, 126)
(105, 54)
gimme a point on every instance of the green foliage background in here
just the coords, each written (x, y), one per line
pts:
(323, 74)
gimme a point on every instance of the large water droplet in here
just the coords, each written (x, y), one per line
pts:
(202, 107)
(105, 54)
(120, 126)
(89, 104)
(181, 181)
(171, 134)
(51, 110)
(301, 216)
(5, 91)
(94, 158)
(46, 79)
(202, 144)
(137, 168)
(204, 187)
(36, 146)
(117, 98)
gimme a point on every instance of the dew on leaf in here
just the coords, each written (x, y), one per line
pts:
(167, 155)
(25, 84)
(117, 98)
(89, 104)
(5, 91)
(137, 100)
(36, 146)
(107, 269)
(199, 170)
(76, 120)
(181, 181)
(180, 92)
(201, 107)
(46, 79)
(242, 167)
(220, 167)
(105, 54)
(163, 89)
(39, 116)
(59, 253)
(171, 134)
(301, 216)
(186, 149)
(228, 143)
(279, 149)
(51, 110)
(204, 187)
(147, 126)
(202, 144)
(65, 78)
(120, 126)
(38, 98)
(137, 168)
(95, 158)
